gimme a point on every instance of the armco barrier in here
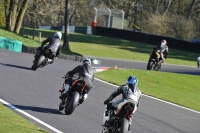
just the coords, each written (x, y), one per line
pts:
(32, 50)
(10, 44)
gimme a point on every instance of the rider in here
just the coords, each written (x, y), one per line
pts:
(54, 44)
(85, 73)
(198, 62)
(129, 90)
(163, 50)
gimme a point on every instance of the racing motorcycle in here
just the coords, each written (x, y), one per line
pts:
(42, 58)
(72, 99)
(153, 63)
(117, 120)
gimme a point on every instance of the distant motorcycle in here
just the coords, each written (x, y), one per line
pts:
(117, 120)
(73, 98)
(198, 62)
(42, 58)
(153, 63)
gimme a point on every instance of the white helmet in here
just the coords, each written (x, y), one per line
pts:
(86, 61)
(58, 35)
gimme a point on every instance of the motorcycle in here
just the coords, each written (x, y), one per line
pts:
(42, 58)
(72, 99)
(154, 61)
(118, 120)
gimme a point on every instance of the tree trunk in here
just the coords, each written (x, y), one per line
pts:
(66, 35)
(6, 6)
(13, 14)
(190, 9)
(21, 16)
(166, 9)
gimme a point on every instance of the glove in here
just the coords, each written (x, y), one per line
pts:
(106, 101)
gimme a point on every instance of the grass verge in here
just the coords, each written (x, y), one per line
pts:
(180, 89)
(13, 123)
(81, 44)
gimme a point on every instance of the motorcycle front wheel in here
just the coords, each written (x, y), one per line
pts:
(37, 63)
(72, 103)
(124, 126)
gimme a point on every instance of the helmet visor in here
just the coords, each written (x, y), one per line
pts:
(132, 87)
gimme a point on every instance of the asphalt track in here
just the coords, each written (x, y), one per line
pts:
(143, 66)
(36, 92)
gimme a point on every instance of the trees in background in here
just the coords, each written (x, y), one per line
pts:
(2, 14)
(172, 18)
(14, 12)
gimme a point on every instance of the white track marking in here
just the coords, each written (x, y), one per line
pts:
(154, 98)
(30, 116)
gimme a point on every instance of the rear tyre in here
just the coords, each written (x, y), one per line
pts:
(124, 126)
(38, 62)
(72, 104)
(150, 65)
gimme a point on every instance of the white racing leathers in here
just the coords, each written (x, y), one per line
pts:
(128, 96)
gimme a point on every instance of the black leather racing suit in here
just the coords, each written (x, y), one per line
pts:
(54, 45)
(86, 73)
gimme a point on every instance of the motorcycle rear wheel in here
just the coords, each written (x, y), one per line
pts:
(150, 65)
(73, 103)
(124, 126)
(38, 62)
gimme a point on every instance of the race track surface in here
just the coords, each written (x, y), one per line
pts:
(36, 92)
(106, 62)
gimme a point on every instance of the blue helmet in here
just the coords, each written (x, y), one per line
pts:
(132, 82)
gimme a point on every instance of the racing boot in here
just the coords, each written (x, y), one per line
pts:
(84, 96)
(64, 91)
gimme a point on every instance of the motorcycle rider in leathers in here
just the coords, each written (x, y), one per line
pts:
(163, 50)
(198, 62)
(85, 73)
(54, 45)
(130, 88)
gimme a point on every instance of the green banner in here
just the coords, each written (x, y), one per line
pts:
(10, 44)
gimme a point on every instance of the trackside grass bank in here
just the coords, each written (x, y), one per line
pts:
(180, 89)
(81, 44)
(13, 123)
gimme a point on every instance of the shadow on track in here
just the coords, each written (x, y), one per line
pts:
(39, 109)
(16, 66)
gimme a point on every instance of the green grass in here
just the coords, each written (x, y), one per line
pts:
(13, 123)
(177, 88)
(81, 44)
(180, 89)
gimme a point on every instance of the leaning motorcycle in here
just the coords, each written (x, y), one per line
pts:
(42, 58)
(117, 120)
(72, 99)
(153, 63)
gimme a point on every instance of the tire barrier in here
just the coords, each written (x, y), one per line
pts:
(32, 50)
(10, 44)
